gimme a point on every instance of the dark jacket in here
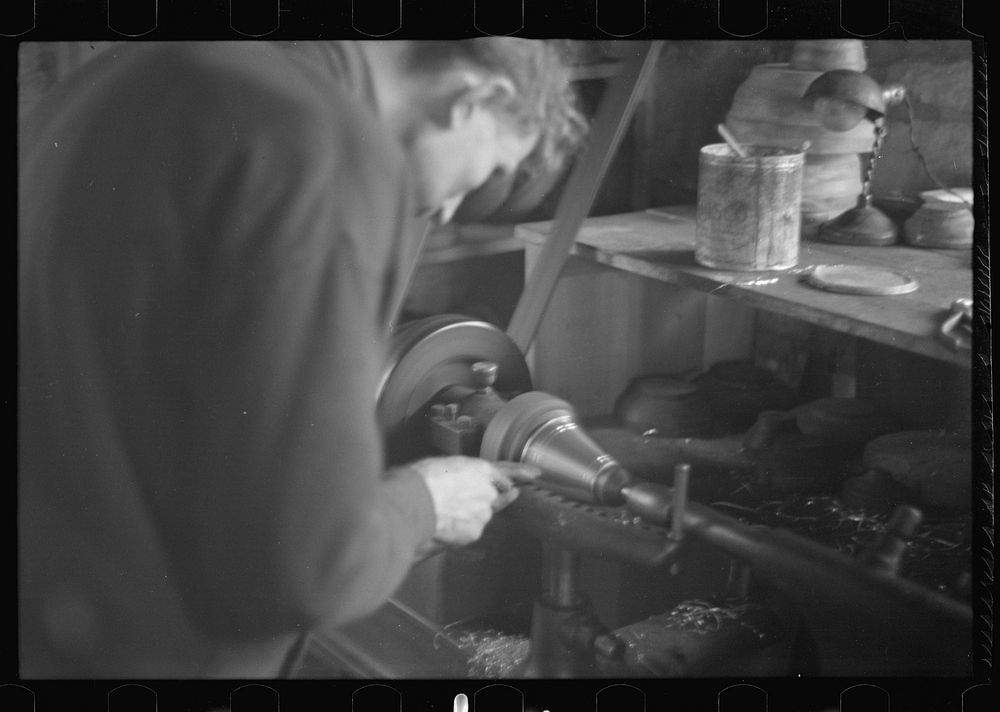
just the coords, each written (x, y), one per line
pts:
(210, 239)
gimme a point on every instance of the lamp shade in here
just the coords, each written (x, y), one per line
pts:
(850, 88)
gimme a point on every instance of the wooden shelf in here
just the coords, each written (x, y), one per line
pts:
(460, 242)
(659, 244)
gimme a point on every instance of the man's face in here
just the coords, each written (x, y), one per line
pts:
(454, 160)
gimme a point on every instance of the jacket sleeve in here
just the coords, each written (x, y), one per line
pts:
(278, 508)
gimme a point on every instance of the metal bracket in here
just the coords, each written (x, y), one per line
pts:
(956, 329)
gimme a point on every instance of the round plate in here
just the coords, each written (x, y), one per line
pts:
(859, 279)
(429, 355)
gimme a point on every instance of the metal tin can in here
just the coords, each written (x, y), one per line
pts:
(749, 209)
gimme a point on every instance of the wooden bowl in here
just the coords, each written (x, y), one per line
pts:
(664, 405)
(940, 225)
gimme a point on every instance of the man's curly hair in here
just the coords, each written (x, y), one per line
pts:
(544, 102)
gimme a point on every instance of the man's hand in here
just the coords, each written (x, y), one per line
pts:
(467, 491)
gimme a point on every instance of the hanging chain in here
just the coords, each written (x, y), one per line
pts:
(866, 186)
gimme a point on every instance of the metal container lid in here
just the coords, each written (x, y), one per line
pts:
(861, 280)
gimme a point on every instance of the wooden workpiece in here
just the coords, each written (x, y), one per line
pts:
(659, 244)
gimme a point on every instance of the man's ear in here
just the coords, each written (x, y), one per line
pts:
(468, 91)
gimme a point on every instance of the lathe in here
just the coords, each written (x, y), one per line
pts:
(712, 594)
(768, 601)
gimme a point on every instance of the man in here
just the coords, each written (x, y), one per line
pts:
(212, 237)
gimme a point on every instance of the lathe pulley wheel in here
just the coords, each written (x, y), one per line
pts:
(430, 355)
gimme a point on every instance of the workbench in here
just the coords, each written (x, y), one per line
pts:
(659, 243)
(632, 299)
